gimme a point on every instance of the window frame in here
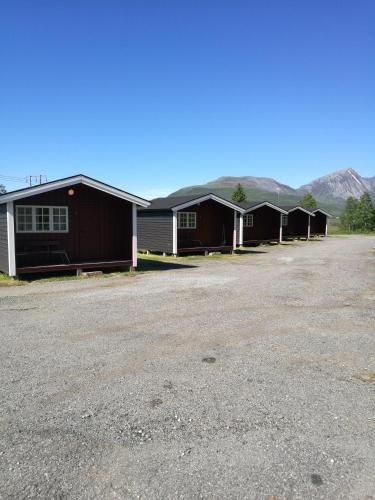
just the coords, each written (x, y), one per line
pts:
(50, 222)
(248, 220)
(188, 214)
(284, 220)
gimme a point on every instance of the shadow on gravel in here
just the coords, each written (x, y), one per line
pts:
(160, 265)
(249, 250)
(144, 265)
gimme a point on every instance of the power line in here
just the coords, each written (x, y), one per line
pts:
(12, 178)
(30, 179)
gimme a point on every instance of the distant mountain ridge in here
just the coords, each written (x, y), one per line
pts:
(331, 190)
(340, 184)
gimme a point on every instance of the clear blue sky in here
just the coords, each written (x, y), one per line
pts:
(153, 95)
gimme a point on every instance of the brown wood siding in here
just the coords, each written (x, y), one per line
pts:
(155, 230)
(4, 262)
(318, 223)
(213, 220)
(100, 225)
(266, 225)
(297, 224)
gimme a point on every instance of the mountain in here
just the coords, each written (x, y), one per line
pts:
(330, 190)
(262, 183)
(340, 185)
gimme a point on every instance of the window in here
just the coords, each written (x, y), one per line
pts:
(284, 220)
(24, 219)
(248, 220)
(41, 219)
(60, 218)
(187, 220)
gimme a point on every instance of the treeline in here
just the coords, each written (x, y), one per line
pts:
(358, 215)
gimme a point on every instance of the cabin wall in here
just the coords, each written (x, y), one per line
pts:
(155, 230)
(266, 225)
(318, 223)
(100, 225)
(297, 224)
(4, 261)
(215, 223)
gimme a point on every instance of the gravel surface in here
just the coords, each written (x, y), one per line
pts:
(242, 377)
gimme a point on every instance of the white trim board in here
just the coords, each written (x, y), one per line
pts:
(322, 211)
(266, 204)
(134, 235)
(206, 197)
(302, 210)
(11, 240)
(71, 181)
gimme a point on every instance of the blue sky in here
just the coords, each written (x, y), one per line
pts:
(154, 95)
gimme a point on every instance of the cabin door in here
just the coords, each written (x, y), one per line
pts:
(89, 232)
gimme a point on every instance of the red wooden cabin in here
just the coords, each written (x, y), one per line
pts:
(72, 223)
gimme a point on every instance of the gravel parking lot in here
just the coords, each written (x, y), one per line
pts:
(241, 377)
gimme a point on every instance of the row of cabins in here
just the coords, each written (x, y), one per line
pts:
(80, 223)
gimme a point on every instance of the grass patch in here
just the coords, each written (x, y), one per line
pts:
(5, 280)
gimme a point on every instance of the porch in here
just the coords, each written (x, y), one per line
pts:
(204, 249)
(73, 266)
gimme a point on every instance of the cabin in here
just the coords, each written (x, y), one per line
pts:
(319, 223)
(297, 222)
(73, 223)
(260, 222)
(188, 224)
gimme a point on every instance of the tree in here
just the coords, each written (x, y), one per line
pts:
(365, 213)
(239, 194)
(2, 189)
(358, 215)
(348, 215)
(308, 201)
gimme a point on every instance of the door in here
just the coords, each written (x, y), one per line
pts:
(89, 232)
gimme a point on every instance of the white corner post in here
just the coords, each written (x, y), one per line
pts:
(135, 236)
(281, 229)
(174, 246)
(326, 231)
(234, 229)
(11, 240)
(308, 228)
(240, 236)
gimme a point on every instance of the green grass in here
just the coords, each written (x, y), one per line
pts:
(334, 228)
(146, 263)
(6, 281)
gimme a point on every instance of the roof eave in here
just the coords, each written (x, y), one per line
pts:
(209, 196)
(71, 181)
(266, 204)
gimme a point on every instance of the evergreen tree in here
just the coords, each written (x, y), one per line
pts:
(2, 189)
(239, 194)
(348, 216)
(308, 201)
(365, 213)
(358, 215)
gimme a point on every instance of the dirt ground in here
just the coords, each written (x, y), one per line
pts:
(243, 377)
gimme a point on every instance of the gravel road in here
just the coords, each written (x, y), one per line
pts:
(241, 377)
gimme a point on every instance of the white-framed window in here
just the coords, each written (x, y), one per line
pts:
(187, 220)
(24, 219)
(248, 220)
(284, 220)
(36, 219)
